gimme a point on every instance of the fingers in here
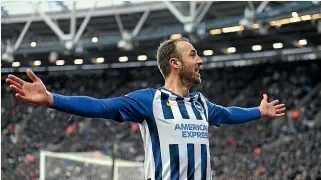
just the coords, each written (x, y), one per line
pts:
(17, 90)
(22, 98)
(31, 75)
(279, 106)
(16, 79)
(280, 110)
(10, 81)
(265, 97)
(275, 102)
(280, 115)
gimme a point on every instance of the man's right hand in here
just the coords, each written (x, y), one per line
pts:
(34, 92)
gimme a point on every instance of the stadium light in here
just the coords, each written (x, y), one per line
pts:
(60, 62)
(100, 60)
(277, 45)
(15, 64)
(295, 19)
(295, 14)
(316, 16)
(94, 39)
(142, 58)
(33, 44)
(78, 61)
(255, 26)
(231, 50)
(37, 63)
(176, 36)
(208, 52)
(303, 42)
(274, 23)
(123, 59)
(257, 48)
(306, 17)
(215, 31)
(233, 29)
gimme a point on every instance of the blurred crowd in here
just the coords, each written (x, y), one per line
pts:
(285, 148)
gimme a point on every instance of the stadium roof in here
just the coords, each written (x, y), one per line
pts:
(107, 28)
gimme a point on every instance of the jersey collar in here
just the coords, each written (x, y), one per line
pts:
(191, 97)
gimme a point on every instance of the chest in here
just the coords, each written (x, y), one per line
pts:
(186, 121)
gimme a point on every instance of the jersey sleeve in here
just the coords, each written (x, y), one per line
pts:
(218, 115)
(133, 107)
(137, 106)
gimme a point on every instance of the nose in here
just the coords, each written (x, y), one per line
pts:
(199, 61)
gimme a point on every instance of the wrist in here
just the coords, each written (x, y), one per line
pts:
(261, 110)
(50, 99)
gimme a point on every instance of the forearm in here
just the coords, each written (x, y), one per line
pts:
(241, 115)
(82, 106)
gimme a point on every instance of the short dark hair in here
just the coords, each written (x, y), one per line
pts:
(165, 52)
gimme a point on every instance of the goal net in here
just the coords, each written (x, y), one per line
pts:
(87, 166)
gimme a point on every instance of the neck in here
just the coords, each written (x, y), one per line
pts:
(177, 85)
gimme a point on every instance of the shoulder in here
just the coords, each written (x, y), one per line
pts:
(143, 100)
(200, 96)
(147, 92)
(144, 96)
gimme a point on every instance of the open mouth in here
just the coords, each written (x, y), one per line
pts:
(198, 72)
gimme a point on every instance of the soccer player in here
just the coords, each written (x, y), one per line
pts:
(173, 122)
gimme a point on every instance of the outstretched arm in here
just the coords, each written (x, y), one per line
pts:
(236, 115)
(119, 109)
(87, 106)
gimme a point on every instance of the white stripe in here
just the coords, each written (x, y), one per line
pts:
(158, 114)
(176, 112)
(198, 161)
(164, 148)
(208, 169)
(183, 161)
(149, 164)
(166, 161)
(190, 111)
(187, 99)
(203, 115)
(205, 104)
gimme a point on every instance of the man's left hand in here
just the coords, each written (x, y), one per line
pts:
(272, 109)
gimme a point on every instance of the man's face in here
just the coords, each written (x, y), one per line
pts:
(190, 62)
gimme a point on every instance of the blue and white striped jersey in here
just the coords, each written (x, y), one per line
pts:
(174, 128)
(175, 133)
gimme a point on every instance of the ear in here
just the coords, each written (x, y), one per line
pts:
(175, 63)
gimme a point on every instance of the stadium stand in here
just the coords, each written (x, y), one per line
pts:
(255, 150)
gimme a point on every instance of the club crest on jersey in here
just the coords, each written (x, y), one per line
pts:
(198, 106)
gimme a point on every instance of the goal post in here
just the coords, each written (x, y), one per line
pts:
(87, 165)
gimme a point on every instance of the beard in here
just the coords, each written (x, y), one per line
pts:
(189, 75)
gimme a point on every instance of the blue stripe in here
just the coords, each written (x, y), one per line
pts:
(200, 101)
(203, 161)
(182, 108)
(174, 160)
(153, 131)
(196, 112)
(167, 111)
(191, 162)
(156, 147)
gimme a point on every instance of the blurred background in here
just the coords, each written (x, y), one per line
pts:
(108, 48)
